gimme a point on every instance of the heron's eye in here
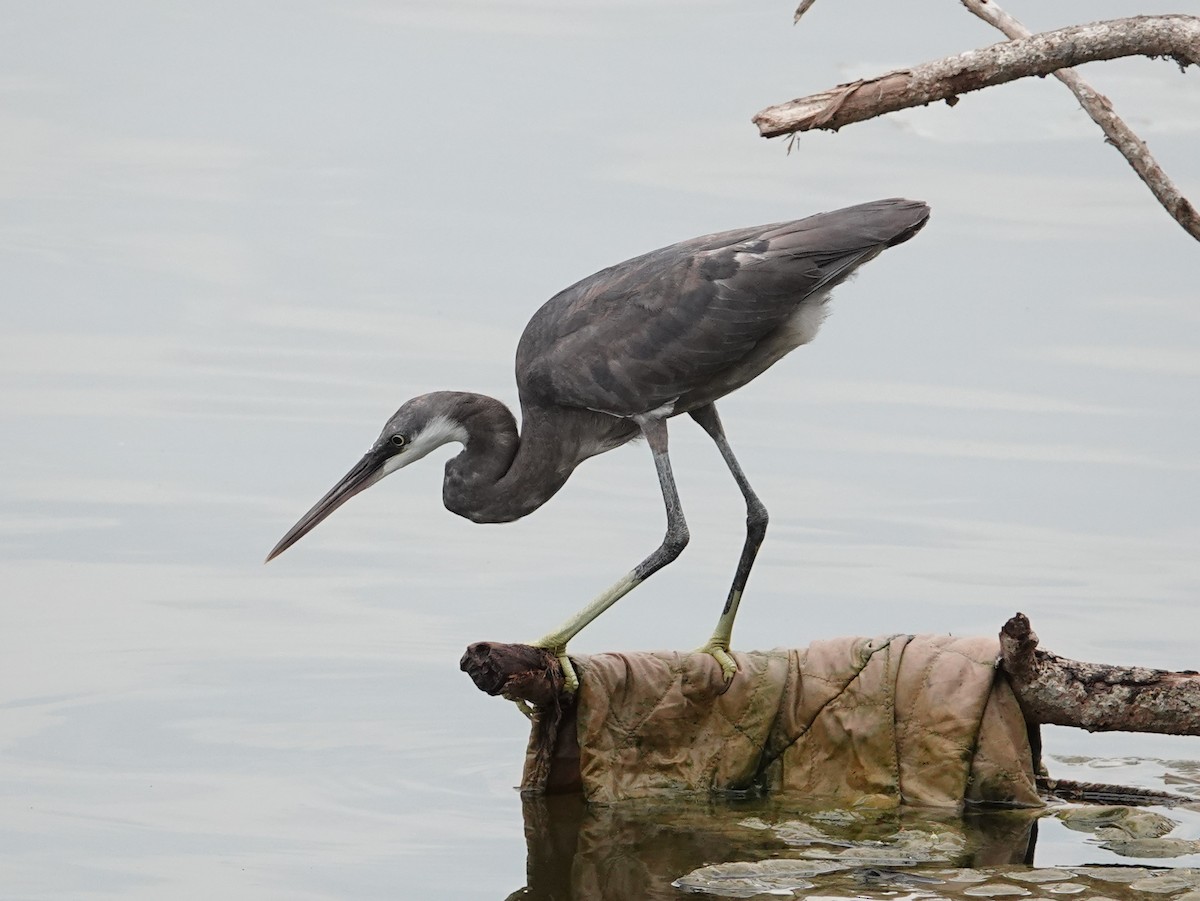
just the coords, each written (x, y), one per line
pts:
(397, 440)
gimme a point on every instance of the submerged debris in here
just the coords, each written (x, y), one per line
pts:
(745, 880)
(963, 874)
(1117, 823)
(996, 890)
(880, 878)
(849, 855)
(1047, 874)
(1112, 874)
(1152, 847)
(1168, 881)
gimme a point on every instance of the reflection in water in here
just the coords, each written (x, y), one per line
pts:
(636, 851)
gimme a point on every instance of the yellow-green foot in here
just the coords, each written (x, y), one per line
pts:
(720, 651)
(570, 679)
(526, 711)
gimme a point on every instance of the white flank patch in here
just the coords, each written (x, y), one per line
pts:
(802, 326)
(440, 430)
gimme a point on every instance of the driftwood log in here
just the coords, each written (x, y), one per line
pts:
(518, 672)
(1052, 690)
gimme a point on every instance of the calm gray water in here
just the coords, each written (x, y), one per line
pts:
(237, 236)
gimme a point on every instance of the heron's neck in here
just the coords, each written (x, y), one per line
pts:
(500, 475)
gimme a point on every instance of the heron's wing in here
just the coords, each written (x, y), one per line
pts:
(639, 335)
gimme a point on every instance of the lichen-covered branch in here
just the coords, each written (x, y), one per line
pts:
(1119, 134)
(1053, 690)
(1174, 36)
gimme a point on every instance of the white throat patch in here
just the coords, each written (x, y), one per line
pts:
(440, 430)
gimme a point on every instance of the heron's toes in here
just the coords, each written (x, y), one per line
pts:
(570, 679)
(523, 706)
(720, 652)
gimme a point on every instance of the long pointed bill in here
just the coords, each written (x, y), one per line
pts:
(369, 470)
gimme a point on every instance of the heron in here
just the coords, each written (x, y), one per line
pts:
(613, 358)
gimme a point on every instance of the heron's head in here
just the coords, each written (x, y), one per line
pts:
(423, 424)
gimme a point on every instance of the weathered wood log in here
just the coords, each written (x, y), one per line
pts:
(518, 672)
(1053, 690)
(530, 675)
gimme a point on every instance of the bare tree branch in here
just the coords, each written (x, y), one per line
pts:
(805, 6)
(1095, 696)
(1174, 36)
(1100, 109)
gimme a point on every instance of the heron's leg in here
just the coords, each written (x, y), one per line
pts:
(676, 539)
(756, 530)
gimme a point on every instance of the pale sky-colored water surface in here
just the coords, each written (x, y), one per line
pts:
(237, 236)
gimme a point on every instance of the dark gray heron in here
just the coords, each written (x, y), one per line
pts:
(614, 357)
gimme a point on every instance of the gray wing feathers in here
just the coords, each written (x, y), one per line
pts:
(640, 334)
